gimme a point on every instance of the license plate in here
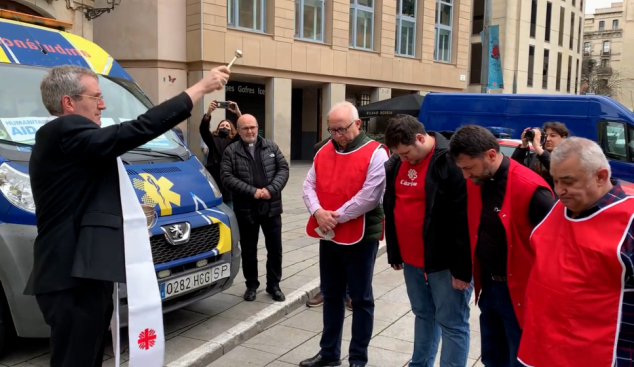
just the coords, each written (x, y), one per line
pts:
(193, 281)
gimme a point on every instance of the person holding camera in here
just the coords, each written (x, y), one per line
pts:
(543, 140)
(217, 141)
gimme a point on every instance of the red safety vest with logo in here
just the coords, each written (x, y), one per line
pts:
(339, 177)
(521, 183)
(573, 297)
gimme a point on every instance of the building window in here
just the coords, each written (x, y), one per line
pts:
(587, 48)
(533, 17)
(562, 12)
(569, 74)
(246, 14)
(606, 47)
(549, 12)
(579, 35)
(601, 25)
(558, 81)
(545, 71)
(477, 20)
(363, 100)
(573, 3)
(615, 24)
(605, 63)
(572, 30)
(531, 60)
(444, 24)
(476, 63)
(309, 20)
(405, 27)
(362, 24)
(577, 77)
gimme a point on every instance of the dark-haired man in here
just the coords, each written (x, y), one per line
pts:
(505, 201)
(540, 162)
(427, 237)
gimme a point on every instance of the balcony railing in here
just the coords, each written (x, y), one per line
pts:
(604, 70)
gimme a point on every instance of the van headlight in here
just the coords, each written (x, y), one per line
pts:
(212, 182)
(16, 187)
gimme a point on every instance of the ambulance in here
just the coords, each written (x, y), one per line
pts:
(195, 241)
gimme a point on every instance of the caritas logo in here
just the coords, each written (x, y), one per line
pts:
(412, 175)
(147, 339)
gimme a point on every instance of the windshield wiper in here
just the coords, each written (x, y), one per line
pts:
(152, 152)
(15, 143)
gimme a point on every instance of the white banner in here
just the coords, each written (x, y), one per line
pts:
(22, 129)
(145, 312)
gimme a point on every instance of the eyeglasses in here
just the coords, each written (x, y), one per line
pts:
(340, 131)
(98, 98)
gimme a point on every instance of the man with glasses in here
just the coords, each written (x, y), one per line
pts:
(255, 171)
(342, 193)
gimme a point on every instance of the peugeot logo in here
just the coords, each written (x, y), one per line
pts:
(177, 233)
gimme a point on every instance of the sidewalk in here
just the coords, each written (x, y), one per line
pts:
(296, 337)
(201, 322)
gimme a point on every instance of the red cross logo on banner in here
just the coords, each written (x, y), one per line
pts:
(147, 339)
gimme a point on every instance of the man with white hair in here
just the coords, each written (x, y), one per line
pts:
(342, 193)
(580, 294)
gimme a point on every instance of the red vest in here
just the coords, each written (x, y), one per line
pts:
(573, 296)
(339, 177)
(520, 185)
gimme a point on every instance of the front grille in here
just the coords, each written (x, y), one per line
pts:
(159, 170)
(201, 240)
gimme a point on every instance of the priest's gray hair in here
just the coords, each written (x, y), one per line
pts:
(354, 113)
(590, 155)
(62, 81)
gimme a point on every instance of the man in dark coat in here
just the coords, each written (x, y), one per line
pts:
(79, 250)
(255, 171)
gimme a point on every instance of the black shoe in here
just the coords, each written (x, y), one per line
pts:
(276, 293)
(249, 294)
(317, 361)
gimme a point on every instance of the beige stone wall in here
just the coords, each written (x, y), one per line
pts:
(58, 10)
(276, 53)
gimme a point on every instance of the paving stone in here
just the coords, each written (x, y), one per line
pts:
(280, 364)
(24, 350)
(179, 346)
(309, 321)
(396, 345)
(243, 310)
(279, 339)
(386, 358)
(390, 311)
(377, 328)
(296, 281)
(243, 356)
(211, 328)
(403, 329)
(214, 305)
(398, 294)
(181, 319)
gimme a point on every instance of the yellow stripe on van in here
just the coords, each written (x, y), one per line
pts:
(224, 243)
(95, 56)
(3, 57)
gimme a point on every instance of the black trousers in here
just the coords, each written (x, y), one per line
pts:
(249, 235)
(351, 266)
(79, 318)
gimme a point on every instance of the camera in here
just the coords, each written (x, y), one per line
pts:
(222, 104)
(530, 135)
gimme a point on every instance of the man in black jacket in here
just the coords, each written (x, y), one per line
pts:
(427, 236)
(79, 250)
(255, 171)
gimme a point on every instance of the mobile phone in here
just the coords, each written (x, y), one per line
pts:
(222, 104)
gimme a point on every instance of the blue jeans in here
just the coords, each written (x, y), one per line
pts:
(440, 310)
(499, 328)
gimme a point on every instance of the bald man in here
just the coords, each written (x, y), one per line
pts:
(255, 171)
(343, 192)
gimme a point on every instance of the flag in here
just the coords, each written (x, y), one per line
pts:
(495, 62)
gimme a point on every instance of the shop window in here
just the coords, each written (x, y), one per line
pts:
(444, 30)
(362, 24)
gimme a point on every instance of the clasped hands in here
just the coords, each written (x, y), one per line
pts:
(326, 219)
(262, 194)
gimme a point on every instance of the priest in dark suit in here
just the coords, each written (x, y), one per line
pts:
(79, 250)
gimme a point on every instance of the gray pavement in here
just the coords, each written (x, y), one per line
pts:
(197, 324)
(296, 337)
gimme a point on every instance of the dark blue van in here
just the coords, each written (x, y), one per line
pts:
(598, 118)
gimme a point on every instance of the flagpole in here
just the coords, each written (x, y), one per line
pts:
(486, 52)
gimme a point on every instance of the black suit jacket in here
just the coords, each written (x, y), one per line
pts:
(75, 183)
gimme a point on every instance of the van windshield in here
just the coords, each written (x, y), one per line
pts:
(22, 112)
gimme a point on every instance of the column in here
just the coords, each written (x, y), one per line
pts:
(277, 126)
(193, 130)
(331, 94)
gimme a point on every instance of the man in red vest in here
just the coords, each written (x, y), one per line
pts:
(427, 237)
(342, 192)
(505, 201)
(580, 294)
